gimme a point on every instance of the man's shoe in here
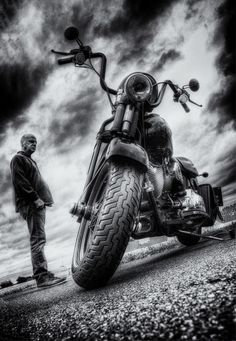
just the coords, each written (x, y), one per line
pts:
(49, 280)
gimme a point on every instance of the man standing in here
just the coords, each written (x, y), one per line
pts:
(32, 195)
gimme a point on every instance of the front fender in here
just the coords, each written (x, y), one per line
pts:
(131, 151)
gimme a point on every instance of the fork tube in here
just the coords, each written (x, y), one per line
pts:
(96, 150)
(120, 110)
(128, 118)
(138, 112)
(93, 161)
(134, 124)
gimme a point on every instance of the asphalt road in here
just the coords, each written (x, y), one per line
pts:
(181, 294)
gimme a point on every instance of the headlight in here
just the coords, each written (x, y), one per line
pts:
(138, 87)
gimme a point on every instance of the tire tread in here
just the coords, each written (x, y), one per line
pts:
(113, 228)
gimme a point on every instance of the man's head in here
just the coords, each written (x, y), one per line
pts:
(28, 143)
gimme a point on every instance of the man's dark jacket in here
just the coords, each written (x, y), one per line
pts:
(27, 181)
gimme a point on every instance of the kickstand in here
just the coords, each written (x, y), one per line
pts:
(231, 234)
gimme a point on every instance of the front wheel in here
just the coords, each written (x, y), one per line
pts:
(102, 240)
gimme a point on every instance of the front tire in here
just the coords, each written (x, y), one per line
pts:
(102, 240)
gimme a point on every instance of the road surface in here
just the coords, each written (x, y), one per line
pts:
(180, 294)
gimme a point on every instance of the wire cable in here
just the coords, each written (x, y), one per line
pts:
(107, 92)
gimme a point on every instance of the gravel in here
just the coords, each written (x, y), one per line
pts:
(183, 294)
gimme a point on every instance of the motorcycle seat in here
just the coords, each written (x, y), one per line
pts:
(187, 167)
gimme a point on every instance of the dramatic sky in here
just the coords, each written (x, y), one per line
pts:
(64, 106)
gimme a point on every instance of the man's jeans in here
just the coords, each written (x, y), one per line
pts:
(36, 221)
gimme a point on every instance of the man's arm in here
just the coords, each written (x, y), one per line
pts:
(20, 182)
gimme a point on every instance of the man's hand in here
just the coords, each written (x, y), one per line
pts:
(39, 203)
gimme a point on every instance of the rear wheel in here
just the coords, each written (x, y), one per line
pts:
(102, 240)
(213, 215)
(207, 194)
(189, 240)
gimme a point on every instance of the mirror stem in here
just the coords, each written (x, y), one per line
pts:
(79, 42)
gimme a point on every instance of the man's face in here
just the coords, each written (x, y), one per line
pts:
(29, 145)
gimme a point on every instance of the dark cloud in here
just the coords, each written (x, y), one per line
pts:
(59, 15)
(134, 20)
(78, 119)
(227, 174)
(229, 191)
(169, 56)
(8, 11)
(134, 16)
(223, 101)
(19, 84)
(192, 9)
(56, 19)
(137, 51)
(82, 17)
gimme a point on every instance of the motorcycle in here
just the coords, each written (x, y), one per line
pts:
(131, 192)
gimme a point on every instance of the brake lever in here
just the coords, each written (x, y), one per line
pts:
(188, 95)
(199, 105)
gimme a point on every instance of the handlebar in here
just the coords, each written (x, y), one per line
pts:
(80, 56)
(103, 71)
(65, 60)
(177, 94)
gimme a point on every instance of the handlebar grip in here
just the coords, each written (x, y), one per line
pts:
(186, 108)
(65, 60)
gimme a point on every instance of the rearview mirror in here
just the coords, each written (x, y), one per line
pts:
(194, 84)
(71, 33)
